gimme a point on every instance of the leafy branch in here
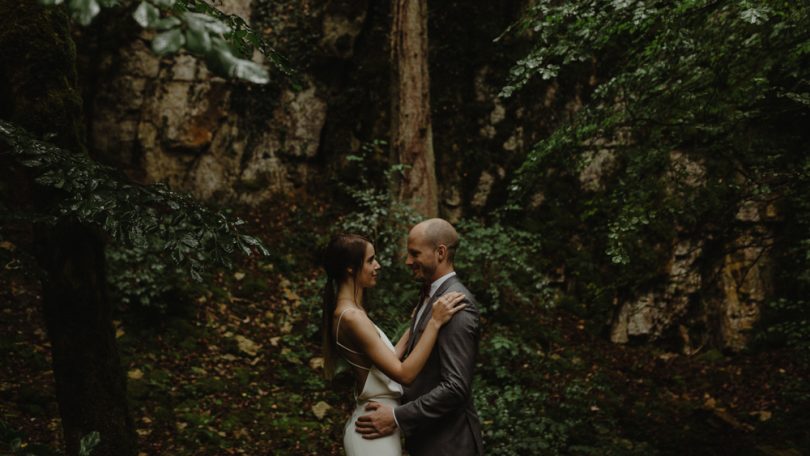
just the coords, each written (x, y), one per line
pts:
(98, 195)
(224, 41)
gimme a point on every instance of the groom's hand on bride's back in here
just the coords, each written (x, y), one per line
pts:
(379, 423)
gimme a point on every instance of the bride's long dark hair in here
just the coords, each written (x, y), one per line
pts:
(344, 252)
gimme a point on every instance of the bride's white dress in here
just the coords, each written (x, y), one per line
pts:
(378, 388)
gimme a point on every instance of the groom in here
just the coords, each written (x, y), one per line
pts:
(437, 415)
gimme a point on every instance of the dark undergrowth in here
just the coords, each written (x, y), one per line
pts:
(231, 366)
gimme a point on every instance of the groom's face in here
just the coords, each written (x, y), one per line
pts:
(421, 257)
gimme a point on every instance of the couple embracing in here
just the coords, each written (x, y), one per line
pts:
(422, 387)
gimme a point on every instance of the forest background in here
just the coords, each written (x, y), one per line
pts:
(629, 178)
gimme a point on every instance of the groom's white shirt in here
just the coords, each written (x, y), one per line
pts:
(422, 306)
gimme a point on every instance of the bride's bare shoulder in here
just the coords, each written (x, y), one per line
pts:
(349, 314)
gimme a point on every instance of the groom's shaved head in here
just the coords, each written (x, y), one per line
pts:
(438, 232)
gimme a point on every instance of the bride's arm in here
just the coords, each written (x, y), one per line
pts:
(362, 330)
(402, 344)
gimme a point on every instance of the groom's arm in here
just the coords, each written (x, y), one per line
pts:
(457, 346)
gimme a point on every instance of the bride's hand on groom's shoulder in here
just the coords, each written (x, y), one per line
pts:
(446, 306)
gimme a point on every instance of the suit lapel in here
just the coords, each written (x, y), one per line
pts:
(420, 325)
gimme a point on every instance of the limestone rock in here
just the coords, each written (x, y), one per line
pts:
(342, 23)
(744, 287)
(599, 164)
(177, 124)
(653, 313)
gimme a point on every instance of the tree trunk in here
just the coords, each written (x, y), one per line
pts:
(90, 383)
(411, 133)
(38, 76)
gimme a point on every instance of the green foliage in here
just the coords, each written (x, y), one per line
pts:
(12, 443)
(788, 322)
(514, 422)
(526, 408)
(502, 265)
(143, 277)
(225, 41)
(192, 235)
(691, 109)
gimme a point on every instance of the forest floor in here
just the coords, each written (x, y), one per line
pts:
(233, 371)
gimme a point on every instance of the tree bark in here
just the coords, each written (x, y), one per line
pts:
(411, 131)
(40, 93)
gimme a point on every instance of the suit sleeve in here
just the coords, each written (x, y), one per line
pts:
(457, 347)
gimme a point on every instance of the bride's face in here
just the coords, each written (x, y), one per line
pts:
(368, 275)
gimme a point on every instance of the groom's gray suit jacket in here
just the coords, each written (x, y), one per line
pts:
(437, 414)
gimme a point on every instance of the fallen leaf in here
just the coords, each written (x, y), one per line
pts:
(135, 374)
(247, 346)
(238, 275)
(320, 409)
(763, 415)
(667, 356)
(709, 402)
(732, 421)
(316, 363)
(7, 245)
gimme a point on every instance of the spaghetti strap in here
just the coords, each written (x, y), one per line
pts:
(337, 341)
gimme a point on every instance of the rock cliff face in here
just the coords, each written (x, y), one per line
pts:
(704, 299)
(169, 120)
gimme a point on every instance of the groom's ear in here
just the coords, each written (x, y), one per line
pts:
(441, 251)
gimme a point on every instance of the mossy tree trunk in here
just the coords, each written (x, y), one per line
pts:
(38, 76)
(411, 131)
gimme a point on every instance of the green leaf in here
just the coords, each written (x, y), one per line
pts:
(89, 442)
(165, 3)
(190, 241)
(198, 41)
(222, 60)
(84, 10)
(754, 15)
(146, 14)
(167, 23)
(51, 179)
(51, 2)
(168, 42)
(250, 71)
(204, 22)
(250, 240)
(803, 98)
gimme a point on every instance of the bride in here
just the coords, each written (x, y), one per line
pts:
(351, 267)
